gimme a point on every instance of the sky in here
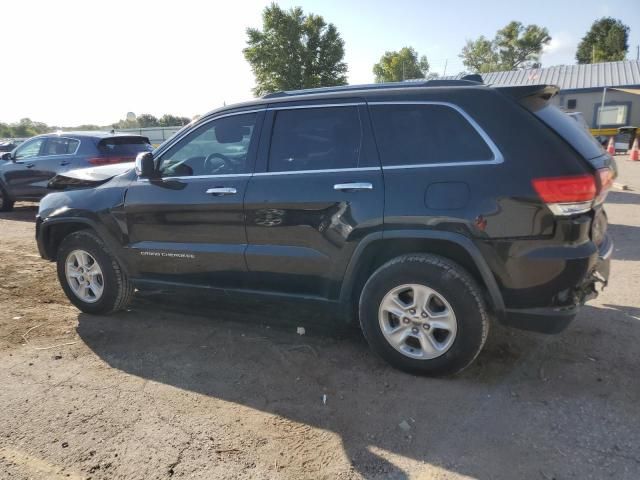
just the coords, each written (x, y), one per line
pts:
(70, 62)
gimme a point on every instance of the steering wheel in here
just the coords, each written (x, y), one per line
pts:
(211, 168)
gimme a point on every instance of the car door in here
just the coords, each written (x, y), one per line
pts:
(23, 174)
(61, 154)
(187, 226)
(317, 190)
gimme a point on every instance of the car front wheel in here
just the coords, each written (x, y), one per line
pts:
(424, 314)
(90, 275)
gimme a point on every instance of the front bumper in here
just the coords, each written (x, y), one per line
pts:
(557, 319)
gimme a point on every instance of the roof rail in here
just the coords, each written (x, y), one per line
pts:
(377, 86)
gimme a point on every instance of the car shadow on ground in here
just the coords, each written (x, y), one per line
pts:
(22, 212)
(623, 197)
(248, 352)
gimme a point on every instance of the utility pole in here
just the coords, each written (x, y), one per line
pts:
(403, 70)
(444, 73)
(637, 52)
(593, 54)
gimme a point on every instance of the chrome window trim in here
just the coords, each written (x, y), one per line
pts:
(264, 174)
(498, 158)
(328, 170)
(497, 155)
(197, 177)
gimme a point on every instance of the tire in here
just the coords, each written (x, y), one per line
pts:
(110, 294)
(452, 328)
(6, 204)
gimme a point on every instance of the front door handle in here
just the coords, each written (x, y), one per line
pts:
(219, 191)
(29, 165)
(64, 163)
(353, 187)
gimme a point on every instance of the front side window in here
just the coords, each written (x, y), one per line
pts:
(426, 134)
(29, 149)
(315, 139)
(61, 146)
(219, 147)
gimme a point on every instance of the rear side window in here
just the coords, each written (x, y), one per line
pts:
(315, 139)
(124, 145)
(575, 135)
(61, 146)
(426, 134)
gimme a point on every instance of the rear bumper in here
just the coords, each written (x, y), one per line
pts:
(557, 319)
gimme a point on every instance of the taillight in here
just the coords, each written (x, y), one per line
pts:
(567, 195)
(97, 161)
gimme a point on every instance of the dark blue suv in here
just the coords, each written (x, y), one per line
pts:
(26, 171)
(423, 211)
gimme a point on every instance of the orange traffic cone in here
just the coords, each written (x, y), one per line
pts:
(634, 154)
(611, 147)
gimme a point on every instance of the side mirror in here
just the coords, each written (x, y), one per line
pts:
(6, 156)
(145, 165)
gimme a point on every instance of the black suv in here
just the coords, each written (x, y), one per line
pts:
(26, 170)
(423, 210)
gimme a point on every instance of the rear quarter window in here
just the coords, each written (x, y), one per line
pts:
(124, 145)
(426, 134)
(575, 135)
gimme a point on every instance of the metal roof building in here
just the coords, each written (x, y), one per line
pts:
(582, 87)
(572, 77)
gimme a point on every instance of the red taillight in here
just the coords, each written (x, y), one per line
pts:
(580, 188)
(108, 160)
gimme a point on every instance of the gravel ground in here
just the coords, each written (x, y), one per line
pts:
(219, 388)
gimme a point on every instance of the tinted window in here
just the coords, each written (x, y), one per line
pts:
(61, 146)
(567, 128)
(29, 149)
(219, 147)
(124, 145)
(421, 134)
(315, 139)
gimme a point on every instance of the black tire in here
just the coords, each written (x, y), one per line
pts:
(449, 280)
(6, 204)
(117, 289)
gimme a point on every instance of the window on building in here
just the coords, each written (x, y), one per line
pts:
(572, 103)
(612, 115)
(424, 134)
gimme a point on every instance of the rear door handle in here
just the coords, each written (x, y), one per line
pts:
(220, 191)
(353, 187)
(29, 165)
(64, 162)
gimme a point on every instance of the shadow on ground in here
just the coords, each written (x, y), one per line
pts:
(22, 212)
(516, 399)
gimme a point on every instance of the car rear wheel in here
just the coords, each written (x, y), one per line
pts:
(424, 314)
(6, 204)
(90, 275)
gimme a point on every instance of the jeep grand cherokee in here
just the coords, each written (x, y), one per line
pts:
(423, 210)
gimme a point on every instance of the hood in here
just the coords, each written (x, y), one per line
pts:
(88, 177)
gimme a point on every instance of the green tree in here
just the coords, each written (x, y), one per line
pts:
(401, 65)
(514, 46)
(146, 120)
(294, 50)
(172, 121)
(606, 41)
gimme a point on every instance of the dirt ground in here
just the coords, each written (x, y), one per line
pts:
(224, 387)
